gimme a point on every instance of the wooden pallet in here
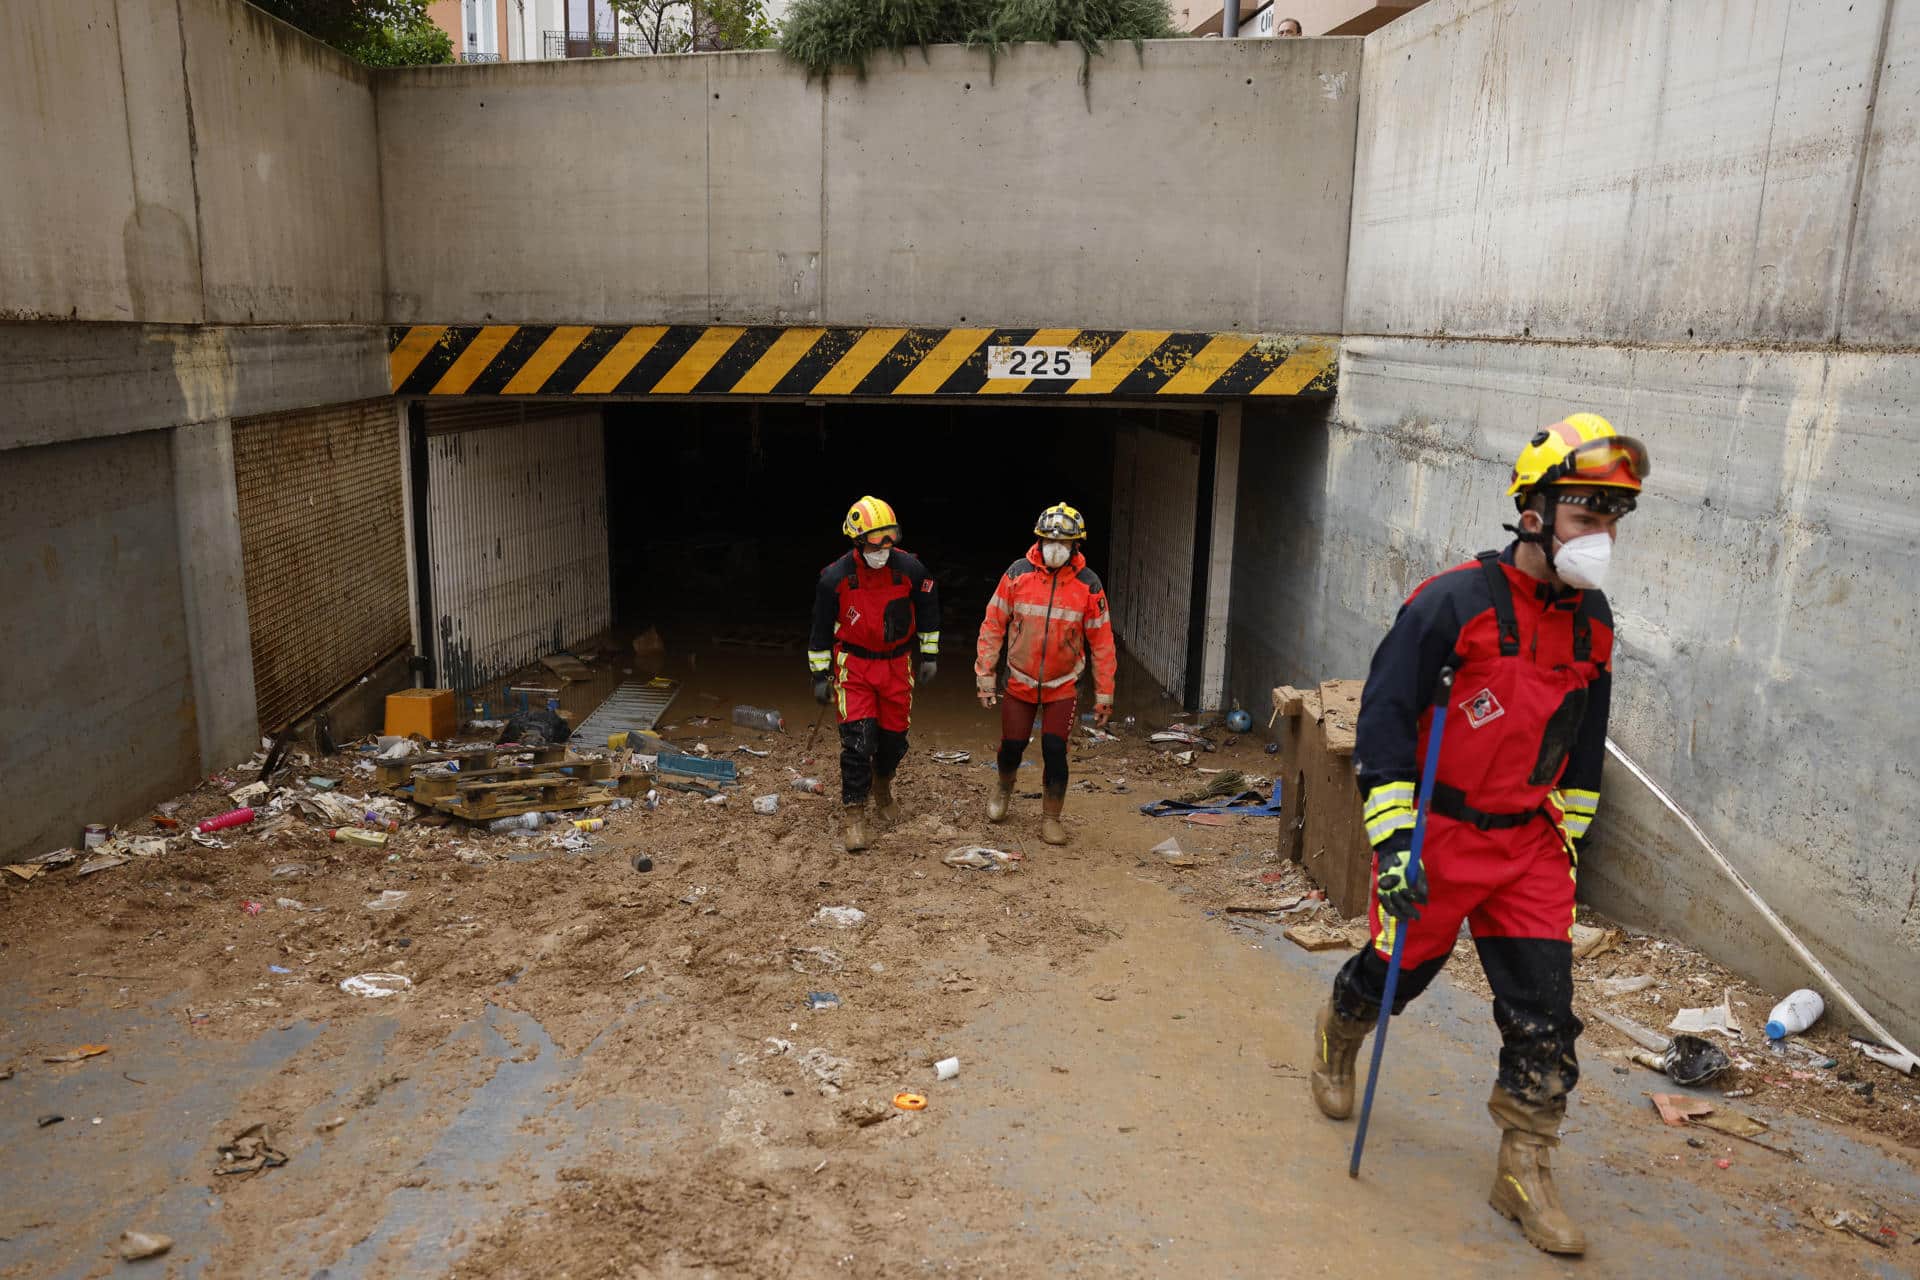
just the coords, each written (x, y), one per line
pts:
(491, 784)
(391, 775)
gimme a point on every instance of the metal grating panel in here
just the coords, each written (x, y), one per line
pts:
(324, 543)
(517, 534)
(637, 704)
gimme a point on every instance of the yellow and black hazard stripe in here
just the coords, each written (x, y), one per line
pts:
(772, 360)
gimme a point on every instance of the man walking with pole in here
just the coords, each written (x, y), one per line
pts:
(1527, 638)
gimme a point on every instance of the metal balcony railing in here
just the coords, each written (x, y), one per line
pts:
(471, 56)
(595, 44)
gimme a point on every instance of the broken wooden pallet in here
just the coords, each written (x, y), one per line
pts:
(392, 775)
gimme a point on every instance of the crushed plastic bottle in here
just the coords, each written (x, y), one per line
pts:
(358, 835)
(763, 718)
(812, 786)
(518, 822)
(374, 821)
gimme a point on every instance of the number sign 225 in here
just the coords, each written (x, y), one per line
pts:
(1039, 362)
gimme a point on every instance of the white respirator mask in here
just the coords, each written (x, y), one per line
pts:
(1055, 554)
(876, 559)
(1583, 561)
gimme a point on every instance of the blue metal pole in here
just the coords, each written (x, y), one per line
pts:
(1427, 772)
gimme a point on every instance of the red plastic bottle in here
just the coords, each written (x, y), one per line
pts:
(233, 818)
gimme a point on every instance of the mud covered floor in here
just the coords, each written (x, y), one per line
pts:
(603, 1072)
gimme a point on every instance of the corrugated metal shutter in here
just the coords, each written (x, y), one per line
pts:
(1156, 486)
(323, 534)
(517, 536)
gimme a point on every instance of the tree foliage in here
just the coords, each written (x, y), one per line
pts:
(832, 35)
(669, 26)
(379, 33)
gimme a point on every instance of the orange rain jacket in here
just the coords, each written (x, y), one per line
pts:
(1050, 619)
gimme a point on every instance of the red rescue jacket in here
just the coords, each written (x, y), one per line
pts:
(873, 613)
(1049, 618)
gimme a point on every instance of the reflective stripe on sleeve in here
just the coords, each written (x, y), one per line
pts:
(819, 659)
(929, 642)
(1387, 823)
(1587, 802)
(1385, 796)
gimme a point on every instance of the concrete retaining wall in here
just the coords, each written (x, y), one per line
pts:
(183, 161)
(1646, 209)
(936, 192)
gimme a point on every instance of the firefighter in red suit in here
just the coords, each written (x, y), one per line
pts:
(872, 608)
(1530, 639)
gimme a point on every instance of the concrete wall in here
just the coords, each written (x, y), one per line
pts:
(183, 161)
(1647, 210)
(936, 192)
(98, 698)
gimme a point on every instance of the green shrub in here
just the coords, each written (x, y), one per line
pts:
(826, 36)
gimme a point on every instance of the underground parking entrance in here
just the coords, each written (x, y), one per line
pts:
(685, 538)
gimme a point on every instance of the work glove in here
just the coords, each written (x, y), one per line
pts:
(822, 691)
(928, 670)
(1398, 898)
(1102, 712)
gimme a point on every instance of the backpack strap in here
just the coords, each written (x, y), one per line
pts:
(1502, 593)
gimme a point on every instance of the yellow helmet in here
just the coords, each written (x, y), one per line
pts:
(1581, 449)
(1061, 522)
(867, 516)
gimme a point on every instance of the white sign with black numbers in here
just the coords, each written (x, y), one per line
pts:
(1039, 362)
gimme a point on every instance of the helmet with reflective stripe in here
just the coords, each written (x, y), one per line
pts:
(1582, 449)
(869, 515)
(1062, 522)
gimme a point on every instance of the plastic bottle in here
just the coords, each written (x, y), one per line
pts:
(759, 718)
(378, 823)
(358, 835)
(232, 818)
(1795, 1014)
(589, 824)
(518, 822)
(811, 786)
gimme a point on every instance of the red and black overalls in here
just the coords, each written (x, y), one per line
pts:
(1517, 784)
(865, 624)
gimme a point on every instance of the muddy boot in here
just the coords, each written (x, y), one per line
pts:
(1336, 1043)
(1050, 806)
(1523, 1181)
(853, 827)
(1002, 797)
(885, 810)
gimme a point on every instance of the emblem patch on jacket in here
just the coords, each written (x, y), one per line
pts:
(1482, 708)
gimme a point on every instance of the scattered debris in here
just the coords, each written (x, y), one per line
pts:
(910, 1101)
(80, 1054)
(376, 986)
(765, 804)
(1717, 1017)
(1884, 1230)
(819, 1000)
(1886, 1057)
(135, 1245)
(946, 1068)
(389, 899)
(839, 917)
(328, 1126)
(1677, 1108)
(1691, 1060)
(291, 871)
(1589, 942)
(104, 862)
(250, 1151)
(827, 1070)
(46, 1121)
(1172, 854)
(1317, 937)
(1623, 986)
(1634, 1031)
(952, 757)
(981, 858)
(641, 862)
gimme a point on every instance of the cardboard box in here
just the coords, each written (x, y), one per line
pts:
(427, 712)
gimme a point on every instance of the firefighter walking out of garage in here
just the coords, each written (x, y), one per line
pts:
(870, 607)
(1529, 638)
(1051, 611)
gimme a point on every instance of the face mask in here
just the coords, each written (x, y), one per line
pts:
(876, 559)
(1583, 562)
(1055, 554)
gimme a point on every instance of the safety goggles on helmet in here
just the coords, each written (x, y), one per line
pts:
(1610, 460)
(880, 538)
(1061, 521)
(1608, 503)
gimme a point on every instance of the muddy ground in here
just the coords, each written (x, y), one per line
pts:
(600, 1071)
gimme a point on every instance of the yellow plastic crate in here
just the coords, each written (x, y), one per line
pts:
(427, 712)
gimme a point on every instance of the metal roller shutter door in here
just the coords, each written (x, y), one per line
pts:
(517, 536)
(1156, 490)
(323, 535)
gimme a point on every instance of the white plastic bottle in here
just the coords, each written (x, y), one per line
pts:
(518, 822)
(1795, 1014)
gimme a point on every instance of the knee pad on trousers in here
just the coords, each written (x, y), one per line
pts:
(1011, 749)
(890, 752)
(1053, 760)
